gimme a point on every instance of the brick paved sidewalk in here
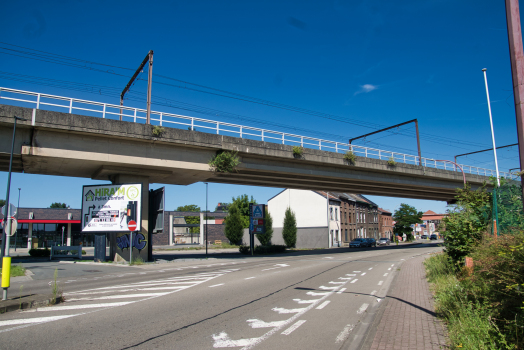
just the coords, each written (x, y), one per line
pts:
(409, 321)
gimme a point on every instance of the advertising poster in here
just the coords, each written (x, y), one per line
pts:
(111, 208)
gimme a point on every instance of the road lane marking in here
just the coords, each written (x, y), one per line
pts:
(34, 320)
(344, 334)
(82, 306)
(328, 257)
(380, 283)
(385, 274)
(362, 274)
(362, 308)
(249, 278)
(281, 310)
(255, 323)
(357, 271)
(392, 265)
(356, 279)
(344, 278)
(337, 282)
(300, 301)
(340, 291)
(317, 293)
(323, 305)
(350, 274)
(222, 340)
(370, 268)
(216, 285)
(121, 296)
(293, 327)
(373, 293)
(328, 288)
(389, 269)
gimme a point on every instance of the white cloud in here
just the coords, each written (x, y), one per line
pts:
(366, 88)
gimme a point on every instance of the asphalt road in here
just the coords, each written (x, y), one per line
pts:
(321, 300)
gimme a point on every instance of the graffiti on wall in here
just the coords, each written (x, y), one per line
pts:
(139, 241)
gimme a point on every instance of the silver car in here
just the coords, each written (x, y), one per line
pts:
(384, 241)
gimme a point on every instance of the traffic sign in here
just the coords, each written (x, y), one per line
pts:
(258, 211)
(131, 225)
(14, 227)
(12, 210)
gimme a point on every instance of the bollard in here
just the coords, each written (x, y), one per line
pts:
(6, 275)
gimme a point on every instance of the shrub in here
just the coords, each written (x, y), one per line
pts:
(224, 162)
(244, 249)
(265, 239)
(84, 252)
(391, 161)
(350, 157)
(158, 130)
(297, 151)
(260, 250)
(234, 229)
(40, 252)
(289, 230)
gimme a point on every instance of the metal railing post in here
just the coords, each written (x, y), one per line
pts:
(379, 155)
(320, 145)
(283, 138)
(301, 141)
(241, 131)
(336, 147)
(161, 115)
(262, 135)
(192, 123)
(104, 112)
(70, 106)
(134, 117)
(38, 101)
(218, 128)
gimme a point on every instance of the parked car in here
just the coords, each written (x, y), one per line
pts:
(371, 242)
(424, 237)
(384, 241)
(433, 237)
(358, 243)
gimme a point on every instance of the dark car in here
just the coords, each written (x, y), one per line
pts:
(424, 237)
(433, 237)
(358, 243)
(371, 242)
(384, 241)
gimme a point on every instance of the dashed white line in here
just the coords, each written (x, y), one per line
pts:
(344, 334)
(362, 308)
(380, 283)
(340, 291)
(254, 323)
(385, 274)
(392, 265)
(83, 306)
(362, 274)
(389, 269)
(293, 327)
(281, 310)
(216, 285)
(357, 271)
(351, 274)
(356, 279)
(34, 320)
(370, 268)
(323, 305)
(249, 278)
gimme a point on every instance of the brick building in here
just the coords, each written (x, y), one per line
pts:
(385, 223)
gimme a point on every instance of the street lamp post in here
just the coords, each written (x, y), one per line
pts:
(491, 124)
(205, 216)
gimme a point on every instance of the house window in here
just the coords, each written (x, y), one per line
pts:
(336, 214)
(331, 213)
(346, 235)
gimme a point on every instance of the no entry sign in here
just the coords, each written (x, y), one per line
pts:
(131, 226)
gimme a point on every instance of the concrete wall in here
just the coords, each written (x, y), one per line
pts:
(307, 237)
(309, 207)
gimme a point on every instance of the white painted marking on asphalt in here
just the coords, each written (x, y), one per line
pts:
(254, 323)
(392, 265)
(402, 259)
(380, 283)
(357, 271)
(249, 278)
(385, 274)
(356, 279)
(389, 269)
(282, 265)
(350, 274)
(340, 291)
(373, 293)
(83, 306)
(34, 320)
(317, 293)
(121, 296)
(293, 327)
(281, 310)
(344, 334)
(328, 288)
(222, 340)
(323, 305)
(370, 268)
(362, 274)
(362, 308)
(216, 285)
(337, 282)
(344, 278)
(311, 301)
(328, 257)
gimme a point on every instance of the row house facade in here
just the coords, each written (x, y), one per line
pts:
(385, 223)
(359, 217)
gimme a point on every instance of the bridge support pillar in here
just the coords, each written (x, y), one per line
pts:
(140, 235)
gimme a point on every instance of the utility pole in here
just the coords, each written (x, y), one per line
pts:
(149, 57)
(516, 55)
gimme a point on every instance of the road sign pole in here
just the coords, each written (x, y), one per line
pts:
(130, 247)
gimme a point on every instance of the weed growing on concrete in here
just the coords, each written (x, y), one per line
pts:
(391, 161)
(17, 271)
(350, 157)
(298, 151)
(158, 130)
(55, 289)
(224, 162)
(137, 261)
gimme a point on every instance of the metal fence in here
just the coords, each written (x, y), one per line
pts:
(138, 115)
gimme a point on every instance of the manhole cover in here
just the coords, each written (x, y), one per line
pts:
(91, 270)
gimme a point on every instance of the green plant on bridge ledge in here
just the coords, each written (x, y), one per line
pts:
(158, 130)
(224, 162)
(350, 157)
(297, 151)
(391, 161)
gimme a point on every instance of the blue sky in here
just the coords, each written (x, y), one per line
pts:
(370, 63)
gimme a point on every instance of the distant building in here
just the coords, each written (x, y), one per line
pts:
(385, 223)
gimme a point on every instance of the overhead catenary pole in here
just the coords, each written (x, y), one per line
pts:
(149, 57)
(484, 150)
(516, 55)
(492, 132)
(391, 127)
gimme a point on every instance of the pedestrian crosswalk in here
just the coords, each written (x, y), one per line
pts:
(97, 299)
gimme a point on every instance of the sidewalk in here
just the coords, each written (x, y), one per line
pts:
(408, 320)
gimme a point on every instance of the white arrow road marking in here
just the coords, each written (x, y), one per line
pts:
(222, 340)
(293, 327)
(380, 283)
(356, 279)
(344, 334)
(323, 305)
(300, 301)
(362, 308)
(281, 310)
(33, 320)
(254, 323)
(317, 293)
(340, 291)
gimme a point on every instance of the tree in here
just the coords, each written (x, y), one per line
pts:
(192, 220)
(2, 202)
(234, 229)
(265, 239)
(242, 204)
(289, 231)
(405, 216)
(58, 205)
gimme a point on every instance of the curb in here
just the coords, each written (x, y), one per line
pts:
(24, 303)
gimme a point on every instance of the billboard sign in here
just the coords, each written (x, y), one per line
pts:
(110, 208)
(257, 218)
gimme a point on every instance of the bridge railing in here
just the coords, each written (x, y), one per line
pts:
(138, 115)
